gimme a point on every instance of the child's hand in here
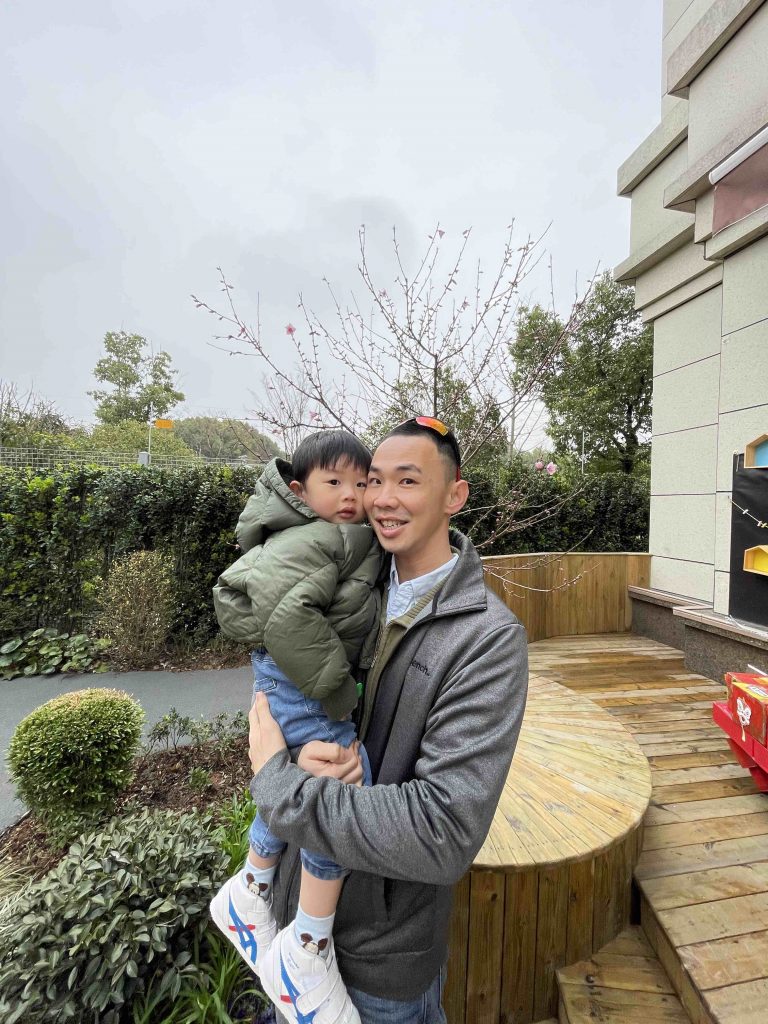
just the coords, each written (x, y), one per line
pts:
(332, 760)
(265, 738)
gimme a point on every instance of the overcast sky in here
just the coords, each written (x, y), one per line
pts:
(145, 142)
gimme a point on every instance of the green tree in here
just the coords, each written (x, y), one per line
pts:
(452, 401)
(224, 438)
(23, 415)
(599, 380)
(140, 381)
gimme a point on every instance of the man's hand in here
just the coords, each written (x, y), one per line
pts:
(332, 760)
(265, 738)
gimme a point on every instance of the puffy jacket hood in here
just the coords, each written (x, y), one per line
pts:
(273, 506)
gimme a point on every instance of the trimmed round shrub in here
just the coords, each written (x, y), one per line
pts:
(137, 606)
(123, 906)
(73, 756)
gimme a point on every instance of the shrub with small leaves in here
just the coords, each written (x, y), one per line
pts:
(137, 606)
(42, 652)
(122, 905)
(72, 757)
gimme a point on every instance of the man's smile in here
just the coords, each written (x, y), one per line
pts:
(388, 526)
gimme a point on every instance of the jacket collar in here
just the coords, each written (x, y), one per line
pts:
(464, 587)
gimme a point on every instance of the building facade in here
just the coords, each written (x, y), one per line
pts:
(698, 186)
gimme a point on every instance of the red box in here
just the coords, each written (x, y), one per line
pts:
(748, 703)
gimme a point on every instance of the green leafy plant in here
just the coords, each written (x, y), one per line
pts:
(71, 757)
(44, 652)
(12, 878)
(216, 988)
(169, 730)
(137, 606)
(232, 831)
(173, 728)
(199, 778)
(61, 530)
(123, 906)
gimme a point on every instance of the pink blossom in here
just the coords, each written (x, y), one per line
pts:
(440, 232)
(551, 468)
(539, 465)
(314, 415)
(290, 329)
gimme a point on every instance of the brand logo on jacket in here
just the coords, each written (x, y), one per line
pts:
(420, 667)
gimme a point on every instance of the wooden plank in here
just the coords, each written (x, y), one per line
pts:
(664, 893)
(668, 762)
(688, 994)
(586, 1004)
(705, 921)
(618, 971)
(743, 1004)
(610, 909)
(682, 792)
(581, 906)
(698, 810)
(726, 961)
(519, 953)
(660, 837)
(708, 773)
(698, 856)
(454, 997)
(486, 934)
(551, 939)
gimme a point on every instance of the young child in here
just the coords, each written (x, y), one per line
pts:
(304, 597)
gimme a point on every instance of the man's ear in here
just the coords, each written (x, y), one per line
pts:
(296, 487)
(457, 497)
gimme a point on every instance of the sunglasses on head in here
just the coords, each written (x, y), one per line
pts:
(439, 428)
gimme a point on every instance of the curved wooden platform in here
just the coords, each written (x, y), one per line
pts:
(551, 884)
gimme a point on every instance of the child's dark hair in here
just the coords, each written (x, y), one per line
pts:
(326, 449)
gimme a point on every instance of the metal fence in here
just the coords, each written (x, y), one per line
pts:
(53, 458)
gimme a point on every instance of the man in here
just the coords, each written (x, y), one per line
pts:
(440, 716)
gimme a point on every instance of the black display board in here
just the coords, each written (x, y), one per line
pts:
(748, 599)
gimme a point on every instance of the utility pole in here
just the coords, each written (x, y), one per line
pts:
(582, 451)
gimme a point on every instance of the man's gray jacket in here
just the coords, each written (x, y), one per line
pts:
(445, 720)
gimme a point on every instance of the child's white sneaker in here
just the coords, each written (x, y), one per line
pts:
(246, 919)
(304, 986)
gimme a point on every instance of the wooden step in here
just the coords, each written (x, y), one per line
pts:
(712, 941)
(624, 983)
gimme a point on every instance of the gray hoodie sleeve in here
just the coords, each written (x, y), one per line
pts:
(430, 828)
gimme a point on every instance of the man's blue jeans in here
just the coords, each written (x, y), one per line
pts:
(427, 1009)
(301, 719)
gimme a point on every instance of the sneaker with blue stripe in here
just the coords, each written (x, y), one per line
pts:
(246, 919)
(305, 987)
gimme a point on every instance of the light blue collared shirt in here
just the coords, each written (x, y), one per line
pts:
(403, 595)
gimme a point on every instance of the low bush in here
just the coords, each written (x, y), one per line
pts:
(137, 606)
(124, 906)
(43, 652)
(172, 729)
(72, 757)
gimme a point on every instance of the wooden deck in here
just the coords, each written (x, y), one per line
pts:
(703, 872)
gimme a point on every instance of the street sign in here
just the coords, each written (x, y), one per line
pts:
(164, 424)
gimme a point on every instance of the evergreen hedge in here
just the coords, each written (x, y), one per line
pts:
(61, 531)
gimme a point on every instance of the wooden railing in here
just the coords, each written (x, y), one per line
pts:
(568, 594)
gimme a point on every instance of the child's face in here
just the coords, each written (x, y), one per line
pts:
(336, 494)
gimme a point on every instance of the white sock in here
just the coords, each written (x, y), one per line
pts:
(314, 933)
(257, 881)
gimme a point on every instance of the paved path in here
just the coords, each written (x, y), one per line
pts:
(191, 693)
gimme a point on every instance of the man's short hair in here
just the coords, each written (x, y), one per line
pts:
(326, 449)
(413, 429)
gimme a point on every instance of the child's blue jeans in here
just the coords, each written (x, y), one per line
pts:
(301, 719)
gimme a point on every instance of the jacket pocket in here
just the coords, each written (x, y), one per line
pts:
(411, 908)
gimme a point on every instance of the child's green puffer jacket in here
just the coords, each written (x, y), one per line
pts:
(304, 589)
